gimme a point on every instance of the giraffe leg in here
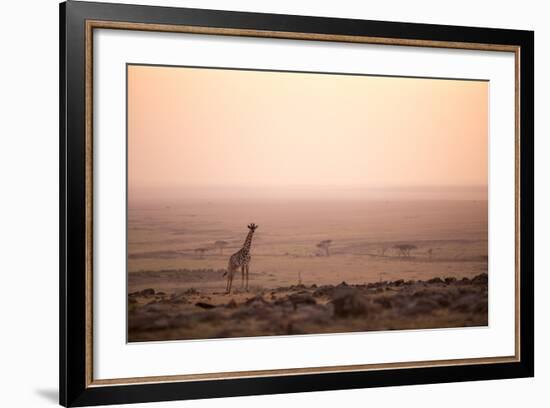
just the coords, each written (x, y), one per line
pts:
(229, 280)
(242, 276)
(227, 284)
(247, 277)
(230, 283)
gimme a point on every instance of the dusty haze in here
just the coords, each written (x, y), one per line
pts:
(229, 128)
(369, 163)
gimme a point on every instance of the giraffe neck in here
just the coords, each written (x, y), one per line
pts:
(248, 242)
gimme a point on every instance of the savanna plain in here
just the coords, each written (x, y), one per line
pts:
(317, 266)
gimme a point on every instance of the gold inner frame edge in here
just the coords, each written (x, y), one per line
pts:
(93, 24)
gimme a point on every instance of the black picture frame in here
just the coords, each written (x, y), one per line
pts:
(74, 387)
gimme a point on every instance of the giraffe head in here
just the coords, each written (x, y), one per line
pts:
(252, 227)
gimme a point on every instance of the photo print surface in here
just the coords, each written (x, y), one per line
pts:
(264, 203)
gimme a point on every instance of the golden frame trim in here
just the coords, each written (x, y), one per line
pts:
(99, 24)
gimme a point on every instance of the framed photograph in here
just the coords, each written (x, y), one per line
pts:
(256, 203)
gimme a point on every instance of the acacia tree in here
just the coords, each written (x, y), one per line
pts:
(221, 245)
(430, 253)
(324, 246)
(201, 251)
(405, 249)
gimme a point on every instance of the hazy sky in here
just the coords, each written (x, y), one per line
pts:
(210, 127)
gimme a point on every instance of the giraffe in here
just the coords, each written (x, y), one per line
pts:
(240, 259)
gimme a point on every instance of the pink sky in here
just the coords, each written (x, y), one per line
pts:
(191, 127)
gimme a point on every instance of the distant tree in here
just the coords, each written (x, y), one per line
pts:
(221, 245)
(318, 253)
(405, 249)
(201, 251)
(430, 253)
(383, 250)
(324, 246)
